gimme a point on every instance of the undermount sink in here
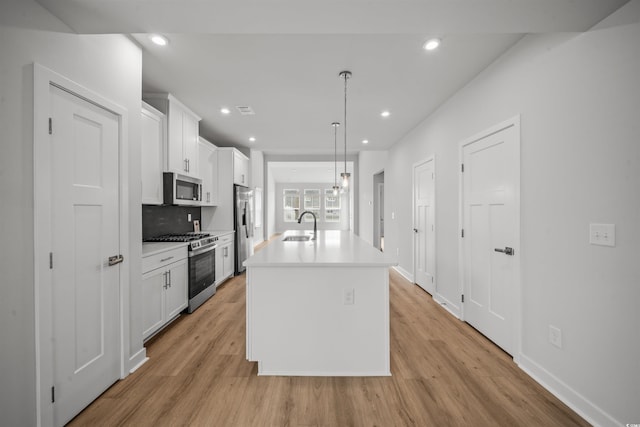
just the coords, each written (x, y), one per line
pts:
(297, 238)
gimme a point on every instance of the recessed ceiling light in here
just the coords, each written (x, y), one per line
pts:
(385, 113)
(252, 139)
(365, 141)
(159, 40)
(431, 44)
(225, 110)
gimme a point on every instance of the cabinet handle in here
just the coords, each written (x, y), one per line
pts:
(188, 165)
(169, 272)
(166, 259)
(243, 178)
(185, 165)
(166, 278)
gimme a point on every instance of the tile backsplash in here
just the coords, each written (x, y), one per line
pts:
(158, 220)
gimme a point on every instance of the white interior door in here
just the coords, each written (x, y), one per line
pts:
(84, 234)
(424, 251)
(490, 243)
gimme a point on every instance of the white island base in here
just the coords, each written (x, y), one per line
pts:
(312, 311)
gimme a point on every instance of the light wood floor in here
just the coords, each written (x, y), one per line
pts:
(444, 373)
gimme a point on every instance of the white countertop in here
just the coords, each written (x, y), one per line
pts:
(152, 248)
(332, 248)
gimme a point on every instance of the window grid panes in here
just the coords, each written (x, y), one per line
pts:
(331, 206)
(311, 203)
(291, 204)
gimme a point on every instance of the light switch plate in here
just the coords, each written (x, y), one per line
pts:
(555, 336)
(602, 234)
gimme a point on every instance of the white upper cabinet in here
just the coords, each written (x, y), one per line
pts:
(208, 163)
(240, 169)
(153, 128)
(181, 146)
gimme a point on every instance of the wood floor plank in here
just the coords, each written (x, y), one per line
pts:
(445, 373)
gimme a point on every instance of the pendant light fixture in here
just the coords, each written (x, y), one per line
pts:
(336, 188)
(346, 75)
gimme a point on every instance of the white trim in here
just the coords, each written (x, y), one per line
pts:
(43, 78)
(137, 360)
(517, 297)
(404, 273)
(323, 374)
(574, 400)
(431, 158)
(452, 308)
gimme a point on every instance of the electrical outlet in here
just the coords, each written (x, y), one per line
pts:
(602, 234)
(188, 217)
(555, 336)
(349, 296)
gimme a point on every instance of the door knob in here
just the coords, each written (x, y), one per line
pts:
(415, 230)
(507, 250)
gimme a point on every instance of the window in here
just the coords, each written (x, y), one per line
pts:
(311, 203)
(331, 206)
(291, 203)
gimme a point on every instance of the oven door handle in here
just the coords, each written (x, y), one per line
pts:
(202, 251)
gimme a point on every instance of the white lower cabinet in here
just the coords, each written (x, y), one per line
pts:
(224, 258)
(164, 291)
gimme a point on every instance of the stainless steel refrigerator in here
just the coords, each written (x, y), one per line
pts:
(243, 220)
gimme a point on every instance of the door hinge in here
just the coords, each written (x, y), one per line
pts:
(53, 394)
(462, 233)
(50, 260)
(431, 279)
(50, 126)
(462, 167)
(462, 298)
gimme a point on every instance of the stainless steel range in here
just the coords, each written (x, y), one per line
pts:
(202, 264)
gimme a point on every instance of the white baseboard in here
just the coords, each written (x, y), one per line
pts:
(404, 273)
(322, 374)
(447, 305)
(578, 403)
(138, 360)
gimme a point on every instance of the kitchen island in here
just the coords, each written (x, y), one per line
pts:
(319, 307)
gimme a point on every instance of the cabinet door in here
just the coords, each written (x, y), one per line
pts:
(240, 169)
(175, 160)
(151, 167)
(176, 294)
(207, 163)
(220, 265)
(153, 284)
(228, 265)
(190, 143)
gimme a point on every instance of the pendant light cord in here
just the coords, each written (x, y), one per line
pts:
(335, 155)
(346, 77)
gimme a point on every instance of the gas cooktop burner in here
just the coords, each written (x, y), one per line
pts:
(182, 237)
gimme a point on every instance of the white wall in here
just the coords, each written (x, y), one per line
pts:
(370, 163)
(579, 100)
(109, 65)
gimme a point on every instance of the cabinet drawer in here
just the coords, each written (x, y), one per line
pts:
(227, 238)
(161, 259)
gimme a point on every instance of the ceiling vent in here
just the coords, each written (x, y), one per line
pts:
(245, 111)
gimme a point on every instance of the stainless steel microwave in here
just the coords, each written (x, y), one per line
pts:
(181, 189)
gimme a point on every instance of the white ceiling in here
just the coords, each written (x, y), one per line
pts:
(282, 58)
